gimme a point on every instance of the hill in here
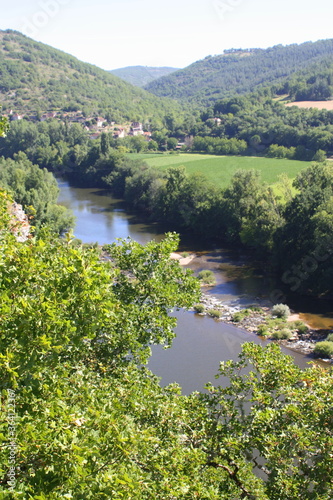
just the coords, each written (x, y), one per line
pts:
(35, 78)
(241, 71)
(142, 75)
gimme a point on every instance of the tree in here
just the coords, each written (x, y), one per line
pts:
(37, 190)
(276, 419)
(3, 126)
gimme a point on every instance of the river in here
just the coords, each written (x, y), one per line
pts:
(201, 342)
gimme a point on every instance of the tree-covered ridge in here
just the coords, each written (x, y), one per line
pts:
(92, 423)
(238, 72)
(35, 77)
(142, 75)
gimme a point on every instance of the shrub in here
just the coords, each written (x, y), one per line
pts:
(300, 326)
(185, 255)
(262, 330)
(199, 308)
(207, 277)
(215, 313)
(283, 334)
(329, 337)
(255, 309)
(240, 315)
(281, 311)
(324, 349)
(237, 317)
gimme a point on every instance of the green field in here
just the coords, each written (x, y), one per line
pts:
(220, 169)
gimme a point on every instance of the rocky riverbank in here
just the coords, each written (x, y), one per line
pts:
(259, 320)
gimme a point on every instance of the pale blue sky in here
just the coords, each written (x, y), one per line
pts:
(117, 33)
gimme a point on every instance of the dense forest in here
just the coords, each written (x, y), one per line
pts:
(241, 71)
(142, 75)
(35, 78)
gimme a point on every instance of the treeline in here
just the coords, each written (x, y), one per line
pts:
(289, 230)
(264, 124)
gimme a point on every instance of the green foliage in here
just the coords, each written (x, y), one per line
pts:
(306, 237)
(238, 72)
(300, 326)
(199, 308)
(240, 315)
(329, 337)
(280, 311)
(320, 156)
(260, 411)
(215, 313)
(3, 125)
(283, 334)
(207, 277)
(324, 349)
(93, 423)
(37, 191)
(142, 75)
(263, 330)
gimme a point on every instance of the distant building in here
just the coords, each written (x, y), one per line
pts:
(48, 116)
(119, 134)
(136, 128)
(100, 121)
(16, 116)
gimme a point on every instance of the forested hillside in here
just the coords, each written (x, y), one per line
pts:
(241, 71)
(35, 78)
(142, 75)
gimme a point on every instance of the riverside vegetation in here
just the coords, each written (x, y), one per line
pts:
(93, 422)
(292, 228)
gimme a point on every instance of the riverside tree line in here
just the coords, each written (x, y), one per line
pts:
(288, 229)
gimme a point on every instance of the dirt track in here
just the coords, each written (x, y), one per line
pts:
(312, 104)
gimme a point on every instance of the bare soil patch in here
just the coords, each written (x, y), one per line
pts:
(313, 104)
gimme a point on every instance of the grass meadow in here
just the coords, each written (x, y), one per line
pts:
(220, 169)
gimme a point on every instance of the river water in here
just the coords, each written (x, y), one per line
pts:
(201, 342)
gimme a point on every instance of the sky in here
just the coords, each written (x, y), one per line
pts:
(117, 33)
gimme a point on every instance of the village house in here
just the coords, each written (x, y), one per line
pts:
(48, 116)
(16, 116)
(119, 134)
(100, 121)
(136, 129)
